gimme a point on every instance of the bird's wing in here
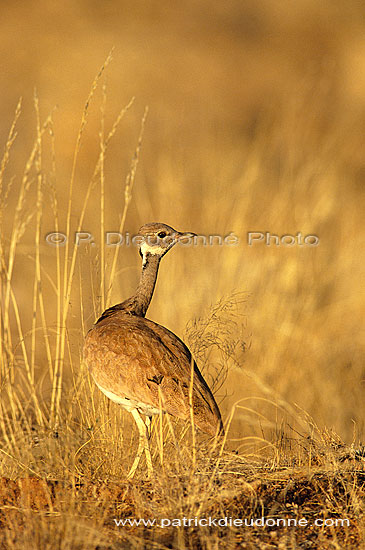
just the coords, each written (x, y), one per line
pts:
(143, 361)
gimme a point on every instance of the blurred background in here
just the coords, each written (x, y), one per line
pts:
(256, 122)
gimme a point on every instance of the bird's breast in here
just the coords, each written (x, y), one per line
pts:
(129, 404)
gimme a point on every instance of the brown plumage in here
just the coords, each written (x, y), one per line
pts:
(142, 365)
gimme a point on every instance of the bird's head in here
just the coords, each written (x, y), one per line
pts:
(158, 238)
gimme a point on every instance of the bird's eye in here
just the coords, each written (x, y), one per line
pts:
(161, 234)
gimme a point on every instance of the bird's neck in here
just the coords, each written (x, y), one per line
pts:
(143, 295)
(139, 302)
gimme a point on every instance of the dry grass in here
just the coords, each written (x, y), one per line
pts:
(260, 129)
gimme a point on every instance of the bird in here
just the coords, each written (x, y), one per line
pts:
(142, 365)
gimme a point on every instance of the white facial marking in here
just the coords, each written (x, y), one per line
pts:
(147, 248)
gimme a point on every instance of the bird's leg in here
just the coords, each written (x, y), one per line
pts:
(134, 467)
(142, 446)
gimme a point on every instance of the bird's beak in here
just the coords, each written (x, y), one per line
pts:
(186, 235)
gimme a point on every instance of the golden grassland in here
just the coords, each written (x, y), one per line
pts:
(255, 123)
